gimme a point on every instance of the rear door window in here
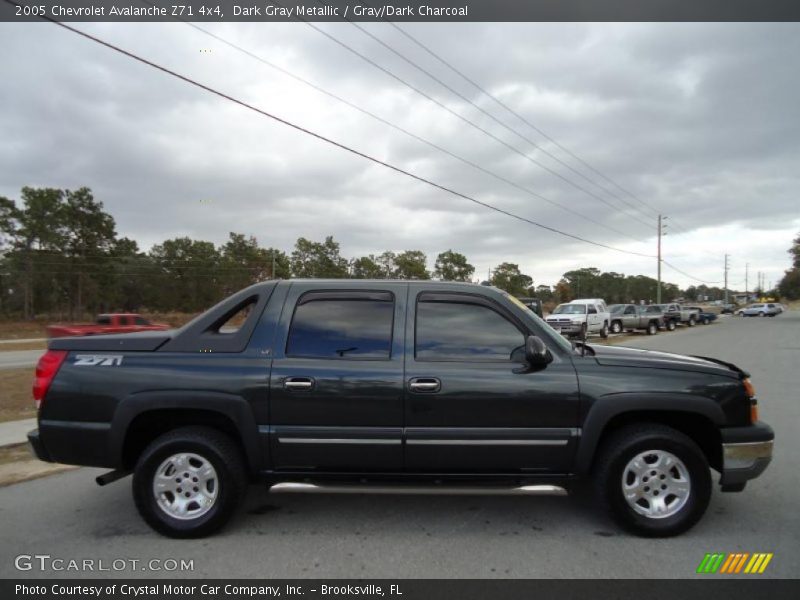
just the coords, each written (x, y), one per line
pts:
(342, 326)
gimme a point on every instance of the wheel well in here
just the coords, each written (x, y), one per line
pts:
(699, 428)
(153, 423)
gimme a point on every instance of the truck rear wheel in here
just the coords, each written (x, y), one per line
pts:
(671, 325)
(692, 321)
(188, 482)
(653, 480)
(604, 330)
(652, 328)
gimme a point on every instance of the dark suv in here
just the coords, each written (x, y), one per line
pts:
(368, 382)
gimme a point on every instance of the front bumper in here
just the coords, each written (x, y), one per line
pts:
(565, 327)
(746, 453)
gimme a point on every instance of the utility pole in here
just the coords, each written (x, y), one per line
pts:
(273, 263)
(661, 232)
(746, 291)
(726, 279)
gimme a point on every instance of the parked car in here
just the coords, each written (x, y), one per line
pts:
(534, 304)
(768, 309)
(632, 316)
(727, 309)
(576, 319)
(704, 317)
(106, 323)
(599, 302)
(676, 314)
(359, 383)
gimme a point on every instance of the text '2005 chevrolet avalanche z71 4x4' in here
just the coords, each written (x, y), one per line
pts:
(374, 382)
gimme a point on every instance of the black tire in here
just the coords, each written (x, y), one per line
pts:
(604, 330)
(762, 314)
(230, 484)
(621, 448)
(671, 325)
(652, 328)
(616, 327)
(704, 321)
(692, 321)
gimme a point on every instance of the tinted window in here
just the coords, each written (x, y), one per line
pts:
(630, 310)
(592, 310)
(342, 328)
(141, 321)
(103, 320)
(462, 331)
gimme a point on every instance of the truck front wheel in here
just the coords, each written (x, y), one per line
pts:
(652, 328)
(616, 326)
(188, 482)
(653, 479)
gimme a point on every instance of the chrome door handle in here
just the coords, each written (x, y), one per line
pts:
(298, 384)
(429, 385)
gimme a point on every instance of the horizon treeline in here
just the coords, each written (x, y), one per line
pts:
(60, 254)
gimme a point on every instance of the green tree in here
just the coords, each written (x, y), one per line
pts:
(795, 252)
(508, 277)
(789, 286)
(563, 291)
(89, 235)
(315, 259)
(367, 267)
(189, 278)
(411, 264)
(453, 266)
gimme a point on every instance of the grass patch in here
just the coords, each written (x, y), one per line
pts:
(21, 330)
(10, 347)
(16, 401)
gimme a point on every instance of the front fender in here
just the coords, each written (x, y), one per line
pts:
(610, 406)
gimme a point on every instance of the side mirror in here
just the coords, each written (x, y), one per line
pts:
(536, 353)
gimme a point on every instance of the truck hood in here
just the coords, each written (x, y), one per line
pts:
(623, 356)
(143, 341)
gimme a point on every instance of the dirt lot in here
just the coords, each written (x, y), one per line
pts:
(21, 330)
(15, 401)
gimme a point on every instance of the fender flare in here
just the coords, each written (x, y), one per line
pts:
(234, 407)
(607, 407)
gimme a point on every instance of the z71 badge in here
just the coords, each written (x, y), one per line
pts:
(94, 360)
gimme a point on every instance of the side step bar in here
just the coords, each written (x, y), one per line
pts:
(525, 490)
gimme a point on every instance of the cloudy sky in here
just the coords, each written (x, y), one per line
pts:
(697, 121)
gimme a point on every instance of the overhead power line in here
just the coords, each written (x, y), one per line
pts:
(685, 274)
(485, 112)
(528, 123)
(463, 118)
(406, 132)
(334, 142)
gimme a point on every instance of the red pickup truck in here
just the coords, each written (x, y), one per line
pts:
(106, 323)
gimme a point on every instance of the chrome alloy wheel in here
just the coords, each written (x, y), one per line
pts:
(656, 484)
(185, 486)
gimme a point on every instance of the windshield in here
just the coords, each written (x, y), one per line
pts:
(570, 309)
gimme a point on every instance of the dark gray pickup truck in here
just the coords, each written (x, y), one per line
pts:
(345, 383)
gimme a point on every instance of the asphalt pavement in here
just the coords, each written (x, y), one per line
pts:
(19, 359)
(295, 535)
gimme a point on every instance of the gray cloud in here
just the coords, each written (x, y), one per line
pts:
(698, 120)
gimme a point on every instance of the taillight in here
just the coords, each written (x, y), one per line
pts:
(748, 387)
(753, 411)
(46, 370)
